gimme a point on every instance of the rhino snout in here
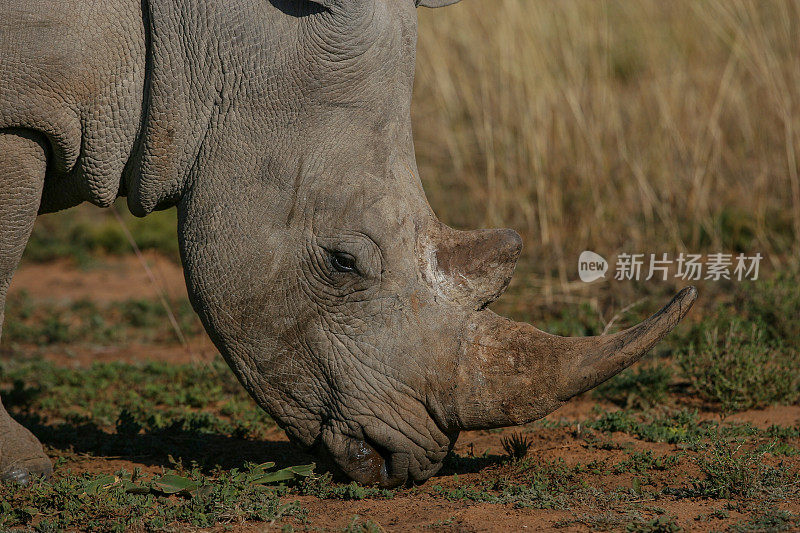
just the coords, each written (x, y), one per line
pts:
(382, 456)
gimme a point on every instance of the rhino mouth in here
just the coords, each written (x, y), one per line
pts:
(364, 460)
(380, 455)
(370, 463)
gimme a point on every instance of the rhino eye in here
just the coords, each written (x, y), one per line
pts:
(342, 262)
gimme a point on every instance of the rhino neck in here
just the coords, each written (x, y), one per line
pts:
(181, 98)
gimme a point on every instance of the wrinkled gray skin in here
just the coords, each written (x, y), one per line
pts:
(281, 130)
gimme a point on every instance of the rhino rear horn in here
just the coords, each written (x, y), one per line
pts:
(471, 268)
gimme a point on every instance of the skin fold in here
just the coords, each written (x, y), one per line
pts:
(281, 130)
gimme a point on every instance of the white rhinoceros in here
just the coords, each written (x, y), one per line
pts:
(281, 131)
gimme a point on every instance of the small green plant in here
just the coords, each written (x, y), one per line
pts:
(732, 469)
(516, 446)
(323, 487)
(633, 522)
(84, 321)
(660, 524)
(640, 462)
(773, 303)
(126, 500)
(738, 369)
(641, 387)
(715, 514)
(681, 426)
(115, 401)
(772, 520)
(357, 525)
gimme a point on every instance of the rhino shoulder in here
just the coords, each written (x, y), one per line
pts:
(75, 73)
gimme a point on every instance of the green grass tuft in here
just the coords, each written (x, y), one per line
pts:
(772, 520)
(129, 501)
(516, 446)
(640, 387)
(128, 399)
(738, 369)
(83, 321)
(732, 469)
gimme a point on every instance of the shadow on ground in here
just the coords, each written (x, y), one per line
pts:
(164, 447)
(170, 445)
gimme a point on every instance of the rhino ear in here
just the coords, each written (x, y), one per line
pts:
(435, 3)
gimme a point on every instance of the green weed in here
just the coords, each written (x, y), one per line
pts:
(732, 469)
(784, 432)
(641, 387)
(323, 487)
(660, 524)
(83, 321)
(546, 485)
(358, 525)
(516, 446)
(632, 522)
(640, 462)
(678, 427)
(771, 520)
(150, 398)
(129, 501)
(738, 369)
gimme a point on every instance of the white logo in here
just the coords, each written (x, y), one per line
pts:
(591, 266)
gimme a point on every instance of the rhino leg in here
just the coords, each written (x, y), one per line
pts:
(23, 162)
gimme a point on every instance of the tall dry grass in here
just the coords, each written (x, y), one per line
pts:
(645, 126)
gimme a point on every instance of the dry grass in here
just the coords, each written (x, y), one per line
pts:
(615, 126)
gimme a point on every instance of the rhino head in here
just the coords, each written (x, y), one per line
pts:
(346, 309)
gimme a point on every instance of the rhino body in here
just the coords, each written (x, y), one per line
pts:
(281, 131)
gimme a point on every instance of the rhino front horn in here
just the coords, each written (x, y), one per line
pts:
(511, 373)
